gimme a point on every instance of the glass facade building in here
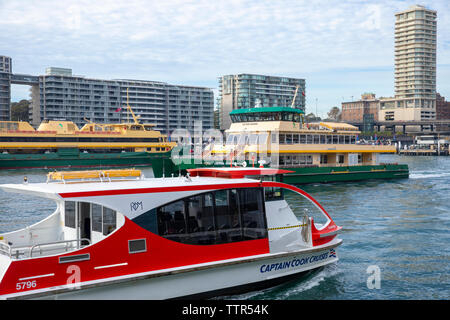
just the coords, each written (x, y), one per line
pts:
(244, 91)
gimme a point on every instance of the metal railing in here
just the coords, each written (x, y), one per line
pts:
(5, 249)
(66, 247)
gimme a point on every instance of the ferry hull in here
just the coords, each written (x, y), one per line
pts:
(306, 175)
(345, 174)
(203, 281)
(160, 162)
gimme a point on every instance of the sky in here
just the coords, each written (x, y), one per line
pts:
(342, 48)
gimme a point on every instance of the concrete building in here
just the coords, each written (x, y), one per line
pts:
(250, 90)
(5, 87)
(415, 67)
(61, 95)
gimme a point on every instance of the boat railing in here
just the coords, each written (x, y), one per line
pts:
(5, 249)
(44, 248)
(67, 245)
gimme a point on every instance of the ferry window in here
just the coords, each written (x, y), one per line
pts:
(287, 160)
(262, 138)
(289, 138)
(316, 139)
(309, 159)
(335, 140)
(302, 138)
(253, 139)
(323, 159)
(201, 224)
(274, 138)
(295, 138)
(97, 221)
(322, 139)
(213, 217)
(282, 138)
(340, 158)
(308, 138)
(252, 211)
(273, 193)
(281, 159)
(295, 160)
(347, 139)
(230, 139)
(69, 214)
(353, 139)
(302, 159)
(359, 158)
(171, 219)
(329, 139)
(109, 220)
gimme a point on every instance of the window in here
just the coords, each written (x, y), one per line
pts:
(322, 139)
(335, 140)
(97, 218)
(217, 217)
(323, 159)
(252, 212)
(347, 139)
(109, 221)
(309, 138)
(340, 158)
(316, 139)
(69, 214)
(136, 246)
(302, 138)
(171, 219)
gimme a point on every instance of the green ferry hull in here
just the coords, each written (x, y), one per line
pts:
(345, 174)
(306, 175)
(71, 158)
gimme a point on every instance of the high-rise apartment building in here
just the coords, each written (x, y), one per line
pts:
(415, 67)
(5, 87)
(61, 95)
(250, 90)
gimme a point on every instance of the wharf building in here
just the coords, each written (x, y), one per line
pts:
(61, 95)
(415, 67)
(442, 108)
(364, 111)
(243, 91)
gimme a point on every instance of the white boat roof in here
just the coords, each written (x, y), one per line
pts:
(59, 190)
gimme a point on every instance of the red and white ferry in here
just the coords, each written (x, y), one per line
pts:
(118, 235)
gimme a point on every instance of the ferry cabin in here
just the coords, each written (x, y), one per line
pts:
(51, 135)
(278, 136)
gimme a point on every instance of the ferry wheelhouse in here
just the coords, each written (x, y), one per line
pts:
(314, 152)
(118, 235)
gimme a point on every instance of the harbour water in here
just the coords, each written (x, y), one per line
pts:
(400, 228)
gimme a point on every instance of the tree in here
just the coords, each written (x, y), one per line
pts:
(334, 114)
(19, 110)
(311, 117)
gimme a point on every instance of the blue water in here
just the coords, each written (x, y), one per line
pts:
(400, 226)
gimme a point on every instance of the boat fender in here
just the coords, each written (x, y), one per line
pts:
(305, 229)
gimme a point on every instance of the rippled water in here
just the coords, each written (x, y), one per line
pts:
(400, 226)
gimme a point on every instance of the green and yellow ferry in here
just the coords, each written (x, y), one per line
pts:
(314, 152)
(61, 144)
